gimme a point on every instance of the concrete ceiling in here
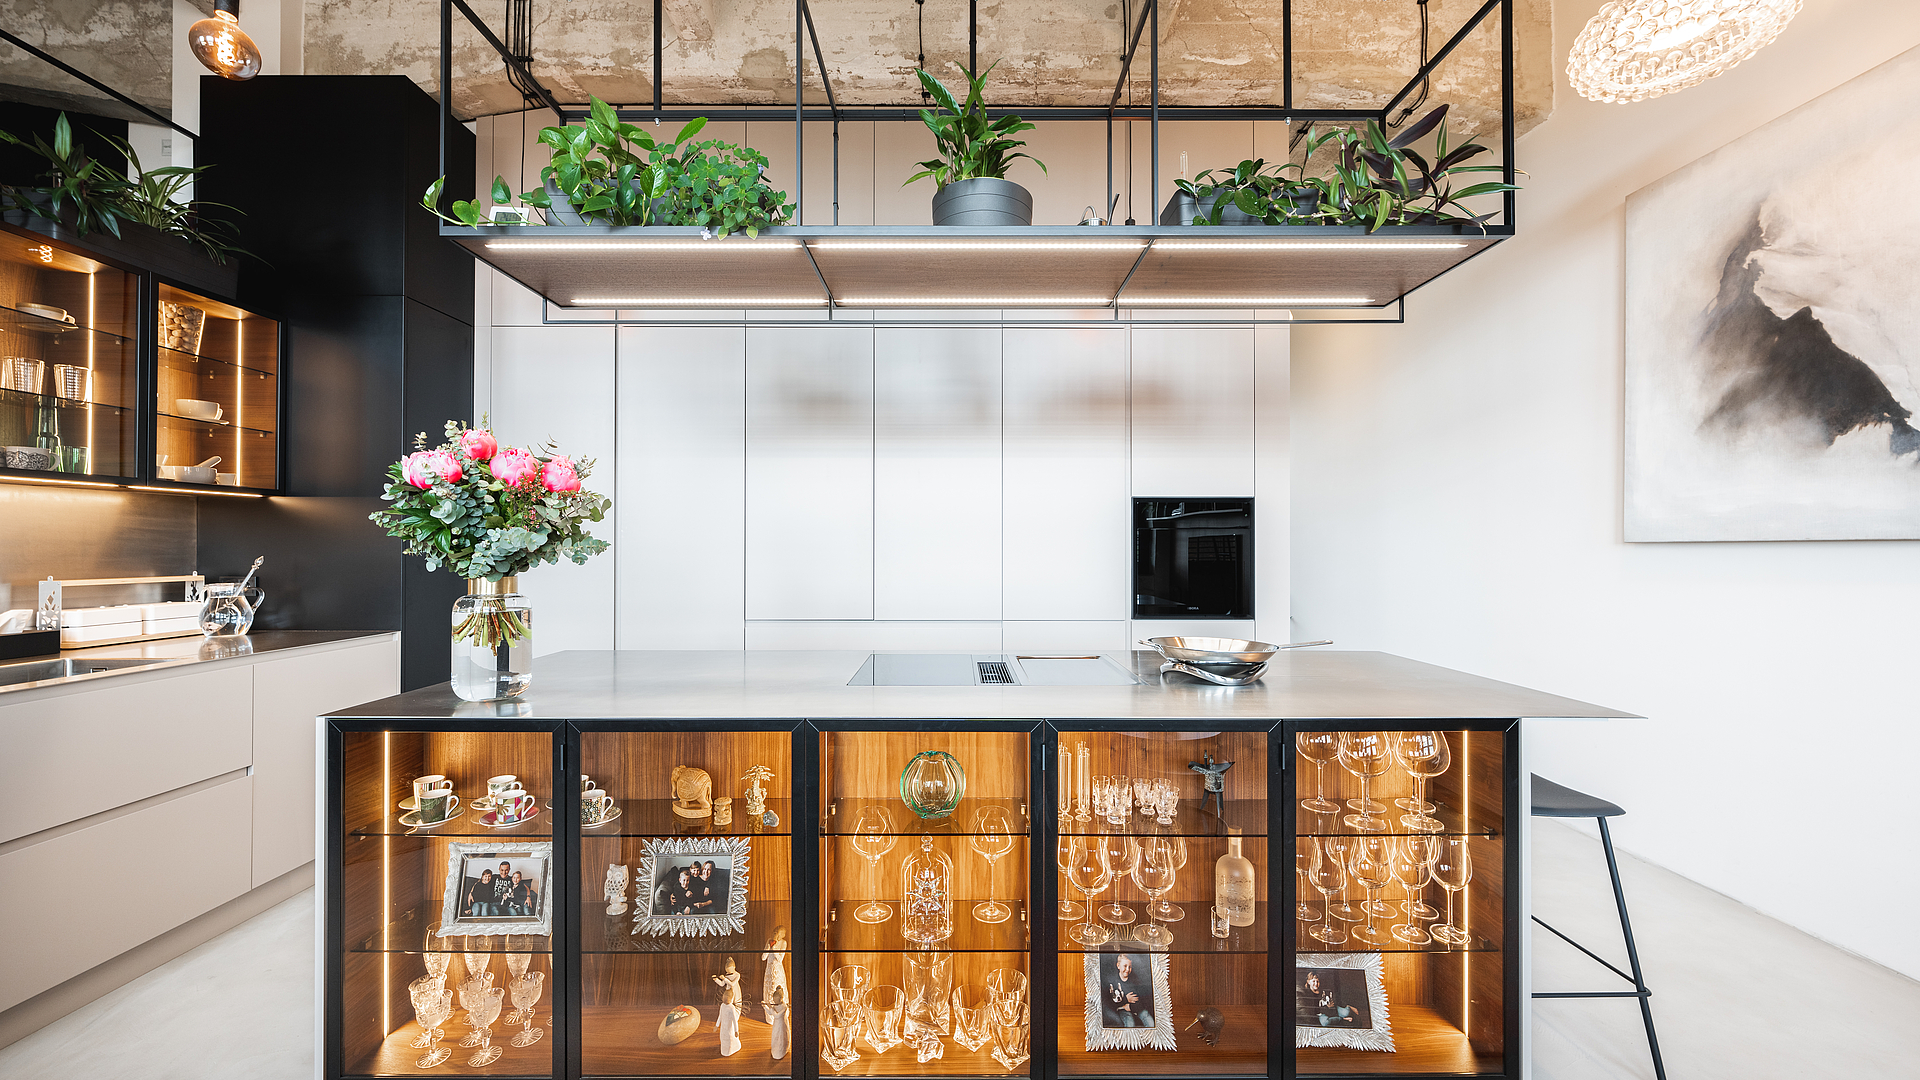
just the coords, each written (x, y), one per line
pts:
(127, 44)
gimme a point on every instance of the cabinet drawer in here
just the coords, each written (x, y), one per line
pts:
(86, 897)
(79, 754)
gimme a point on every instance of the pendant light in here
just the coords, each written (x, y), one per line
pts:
(1637, 49)
(220, 44)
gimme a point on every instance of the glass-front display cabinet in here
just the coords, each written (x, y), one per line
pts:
(69, 371)
(217, 393)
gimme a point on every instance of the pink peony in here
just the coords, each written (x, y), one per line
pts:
(559, 475)
(512, 465)
(478, 444)
(416, 470)
(427, 466)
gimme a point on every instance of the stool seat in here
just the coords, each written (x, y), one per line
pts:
(1554, 800)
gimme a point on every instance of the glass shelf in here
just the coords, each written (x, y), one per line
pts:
(1190, 935)
(180, 359)
(1189, 819)
(842, 813)
(14, 318)
(44, 401)
(846, 934)
(464, 825)
(215, 426)
(655, 818)
(604, 934)
(1307, 945)
(410, 936)
(1308, 823)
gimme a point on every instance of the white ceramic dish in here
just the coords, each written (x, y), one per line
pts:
(411, 820)
(198, 409)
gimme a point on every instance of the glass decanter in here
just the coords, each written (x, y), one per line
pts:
(927, 892)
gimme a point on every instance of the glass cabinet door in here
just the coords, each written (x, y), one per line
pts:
(448, 901)
(1400, 867)
(1163, 920)
(68, 385)
(686, 903)
(218, 390)
(925, 915)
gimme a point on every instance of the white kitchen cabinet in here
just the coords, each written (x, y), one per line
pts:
(936, 473)
(1192, 407)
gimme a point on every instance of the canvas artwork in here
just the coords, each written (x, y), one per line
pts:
(1772, 338)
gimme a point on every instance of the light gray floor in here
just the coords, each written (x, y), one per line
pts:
(1737, 995)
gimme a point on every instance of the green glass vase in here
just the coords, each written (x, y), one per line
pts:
(933, 784)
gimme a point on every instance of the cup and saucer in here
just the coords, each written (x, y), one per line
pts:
(432, 803)
(597, 808)
(505, 807)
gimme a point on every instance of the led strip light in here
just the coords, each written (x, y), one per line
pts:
(611, 244)
(688, 302)
(978, 245)
(1247, 301)
(1308, 245)
(976, 301)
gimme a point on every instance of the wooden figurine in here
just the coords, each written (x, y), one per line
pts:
(756, 794)
(730, 999)
(722, 811)
(692, 792)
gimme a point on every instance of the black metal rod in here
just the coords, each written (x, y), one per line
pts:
(659, 51)
(911, 113)
(1507, 139)
(1595, 957)
(1126, 65)
(1453, 43)
(446, 81)
(1596, 994)
(799, 112)
(1626, 932)
(820, 61)
(95, 83)
(1286, 52)
(1153, 53)
(506, 56)
(973, 37)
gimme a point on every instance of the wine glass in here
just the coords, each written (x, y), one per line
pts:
(1088, 871)
(1369, 862)
(1365, 755)
(1424, 754)
(1066, 910)
(437, 958)
(1153, 874)
(1411, 869)
(1336, 848)
(471, 990)
(432, 1011)
(1327, 875)
(1321, 748)
(478, 955)
(486, 1009)
(885, 1007)
(1304, 852)
(1453, 869)
(991, 840)
(517, 965)
(525, 988)
(423, 989)
(873, 837)
(1122, 852)
(1162, 910)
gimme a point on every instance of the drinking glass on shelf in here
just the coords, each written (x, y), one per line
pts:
(1012, 1026)
(1369, 862)
(1366, 755)
(423, 989)
(885, 1007)
(992, 839)
(1412, 868)
(471, 990)
(1066, 910)
(1452, 869)
(434, 953)
(929, 983)
(1162, 910)
(1088, 871)
(525, 988)
(1153, 874)
(1166, 801)
(1322, 748)
(1004, 984)
(1337, 848)
(433, 1011)
(1424, 754)
(486, 1009)
(847, 983)
(970, 1016)
(1116, 800)
(1143, 794)
(841, 1022)
(1122, 852)
(1327, 875)
(478, 955)
(1304, 852)
(517, 965)
(873, 838)
(1082, 784)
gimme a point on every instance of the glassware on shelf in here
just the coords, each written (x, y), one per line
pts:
(1327, 875)
(1366, 755)
(1007, 983)
(1370, 862)
(929, 978)
(433, 1011)
(436, 955)
(846, 983)
(1121, 853)
(1065, 783)
(970, 1027)
(933, 784)
(1066, 910)
(1012, 1026)
(1337, 848)
(1153, 874)
(472, 988)
(873, 838)
(841, 1023)
(1234, 880)
(1425, 755)
(1082, 784)
(1088, 871)
(1452, 869)
(517, 965)
(525, 988)
(926, 914)
(1142, 794)
(478, 955)
(1412, 866)
(992, 840)
(1160, 909)
(885, 1007)
(425, 988)
(486, 1009)
(1166, 801)
(1304, 852)
(1322, 748)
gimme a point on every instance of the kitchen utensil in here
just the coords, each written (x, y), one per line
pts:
(39, 458)
(72, 382)
(1212, 650)
(23, 373)
(1218, 674)
(197, 409)
(181, 326)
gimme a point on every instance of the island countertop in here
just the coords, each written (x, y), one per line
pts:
(1299, 685)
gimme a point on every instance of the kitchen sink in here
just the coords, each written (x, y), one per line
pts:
(989, 669)
(66, 667)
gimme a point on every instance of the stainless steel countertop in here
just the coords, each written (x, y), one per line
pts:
(183, 652)
(1305, 684)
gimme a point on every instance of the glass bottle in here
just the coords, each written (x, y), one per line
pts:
(492, 641)
(46, 435)
(927, 895)
(933, 784)
(1233, 882)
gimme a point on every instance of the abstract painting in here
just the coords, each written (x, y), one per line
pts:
(1772, 329)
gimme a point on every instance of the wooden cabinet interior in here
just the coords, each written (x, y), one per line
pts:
(234, 362)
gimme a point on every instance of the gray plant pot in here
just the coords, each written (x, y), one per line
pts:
(563, 213)
(984, 200)
(1183, 208)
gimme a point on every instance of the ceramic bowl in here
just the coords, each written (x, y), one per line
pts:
(196, 409)
(29, 457)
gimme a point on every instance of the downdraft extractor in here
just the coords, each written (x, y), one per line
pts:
(990, 669)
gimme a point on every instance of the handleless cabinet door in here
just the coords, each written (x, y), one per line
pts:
(809, 473)
(936, 473)
(1193, 412)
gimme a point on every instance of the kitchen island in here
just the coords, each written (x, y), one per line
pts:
(1393, 947)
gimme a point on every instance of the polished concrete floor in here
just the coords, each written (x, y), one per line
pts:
(1738, 996)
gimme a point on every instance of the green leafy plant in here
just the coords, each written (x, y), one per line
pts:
(466, 212)
(971, 146)
(154, 200)
(95, 194)
(722, 187)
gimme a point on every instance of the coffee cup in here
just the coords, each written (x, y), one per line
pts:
(437, 805)
(514, 804)
(594, 807)
(587, 784)
(500, 785)
(424, 785)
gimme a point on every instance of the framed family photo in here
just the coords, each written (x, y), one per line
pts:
(1129, 1001)
(692, 886)
(497, 889)
(1340, 1000)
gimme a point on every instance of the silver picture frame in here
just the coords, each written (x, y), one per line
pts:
(461, 857)
(663, 856)
(1368, 1027)
(1102, 1031)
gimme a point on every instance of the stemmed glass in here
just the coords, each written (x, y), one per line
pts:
(1424, 754)
(1160, 909)
(1122, 853)
(425, 988)
(992, 839)
(1369, 862)
(1327, 875)
(517, 965)
(472, 988)
(1322, 748)
(1365, 754)
(1143, 794)
(432, 1011)
(1153, 874)
(436, 959)
(873, 838)
(525, 988)
(1166, 801)
(486, 1009)
(1066, 910)
(1305, 850)
(1088, 871)
(1336, 848)
(1453, 869)
(1411, 868)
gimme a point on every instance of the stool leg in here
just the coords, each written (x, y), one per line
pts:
(1633, 954)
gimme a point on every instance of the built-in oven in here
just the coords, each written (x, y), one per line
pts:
(1193, 558)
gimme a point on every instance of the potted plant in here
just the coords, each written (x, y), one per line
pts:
(971, 173)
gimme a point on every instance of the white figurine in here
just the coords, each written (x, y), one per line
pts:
(777, 1020)
(775, 959)
(616, 889)
(730, 999)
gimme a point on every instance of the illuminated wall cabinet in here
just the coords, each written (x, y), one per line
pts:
(1345, 907)
(216, 392)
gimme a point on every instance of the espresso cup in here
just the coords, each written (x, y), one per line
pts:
(438, 805)
(594, 807)
(500, 785)
(514, 804)
(424, 786)
(587, 785)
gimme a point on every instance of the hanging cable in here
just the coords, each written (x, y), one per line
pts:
(920, 18)
(1425, 84)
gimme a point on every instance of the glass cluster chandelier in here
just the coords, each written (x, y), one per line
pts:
(1638, 49)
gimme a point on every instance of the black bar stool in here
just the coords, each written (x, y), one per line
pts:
(1552, 800)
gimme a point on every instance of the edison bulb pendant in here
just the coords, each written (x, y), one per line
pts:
(226, 49)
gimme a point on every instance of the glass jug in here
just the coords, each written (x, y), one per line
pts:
(225, 612)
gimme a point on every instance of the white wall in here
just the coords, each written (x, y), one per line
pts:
(1458, 499)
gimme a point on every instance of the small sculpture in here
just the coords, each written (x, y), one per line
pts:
(616, 889)
(680, 1022)
(774, 978)
(722, 811)
(777, 1021)
(1214, 779)
(756, 794)
(1210, 1022)
(730, 999)
(692, 792)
